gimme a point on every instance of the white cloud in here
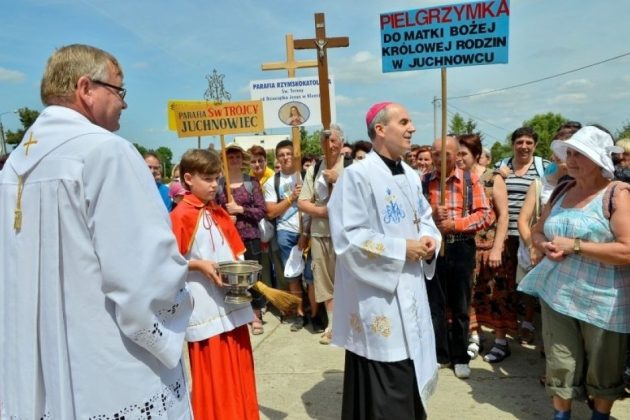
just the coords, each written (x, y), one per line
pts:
(576, 84)
(343, 100)
(11, 76)
(569, 99)
(362, 68)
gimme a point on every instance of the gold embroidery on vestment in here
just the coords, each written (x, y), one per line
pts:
(382, 326)
(373, 249)
(31, 141)
(17, 214)
(355, 323)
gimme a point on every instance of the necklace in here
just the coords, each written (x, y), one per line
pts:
(402, 188)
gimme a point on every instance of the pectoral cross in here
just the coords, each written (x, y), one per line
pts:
(321, 44)
(416, 221)
(31, 141)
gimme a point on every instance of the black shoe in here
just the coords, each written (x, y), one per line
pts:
(298, 324)
(318, 324)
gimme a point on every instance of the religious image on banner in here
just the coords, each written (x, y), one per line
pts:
(294, 113)
(278, 96)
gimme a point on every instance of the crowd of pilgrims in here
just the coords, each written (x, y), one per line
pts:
(517, 188)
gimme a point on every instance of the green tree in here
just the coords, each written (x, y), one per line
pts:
(311, 145)
(460, 126)
(27, 118)
(500, 151)
(624, 132)
(545, 125)
(166, 156)
(457, 125)
(141, 149)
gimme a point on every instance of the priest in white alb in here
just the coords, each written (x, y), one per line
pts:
(385, 241)
(93, 301)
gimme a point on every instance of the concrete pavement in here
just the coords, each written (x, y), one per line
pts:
(298, 378)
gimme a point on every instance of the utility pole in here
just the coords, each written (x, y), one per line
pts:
(3, 140)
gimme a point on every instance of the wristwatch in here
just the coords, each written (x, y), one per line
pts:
(577, 246)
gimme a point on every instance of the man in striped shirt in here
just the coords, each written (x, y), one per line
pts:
(465, 211)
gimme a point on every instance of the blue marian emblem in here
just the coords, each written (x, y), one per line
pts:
(420, 197)
(393, 211)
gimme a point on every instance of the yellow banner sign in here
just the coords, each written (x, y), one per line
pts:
(207, 119)
(170, 111)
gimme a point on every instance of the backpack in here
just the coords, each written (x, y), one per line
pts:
(468, 192)
(538, 164)
(247, 182)
(346, 162)
(276, 186)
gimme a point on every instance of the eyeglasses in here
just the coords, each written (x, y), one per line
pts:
(121, 91)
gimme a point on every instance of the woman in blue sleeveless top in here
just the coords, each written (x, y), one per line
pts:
(584, 279)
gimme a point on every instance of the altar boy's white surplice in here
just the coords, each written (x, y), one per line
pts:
(92, 290)
(381, 310)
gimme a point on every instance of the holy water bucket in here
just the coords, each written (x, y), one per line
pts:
(237, 277)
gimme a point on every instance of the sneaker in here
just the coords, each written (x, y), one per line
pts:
(444, 365)
(326, 337)
(462, 371)
(298, 324)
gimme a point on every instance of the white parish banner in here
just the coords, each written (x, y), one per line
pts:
(292, 102)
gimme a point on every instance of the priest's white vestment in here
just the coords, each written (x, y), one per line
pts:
(93, 300)
(381, 310)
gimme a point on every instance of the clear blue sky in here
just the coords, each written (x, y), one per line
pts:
(166, 49)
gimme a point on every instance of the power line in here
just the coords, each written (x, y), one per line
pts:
(542, 79)
(488, 136)
(477, 118)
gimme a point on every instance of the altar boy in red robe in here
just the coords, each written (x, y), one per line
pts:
(222, 366)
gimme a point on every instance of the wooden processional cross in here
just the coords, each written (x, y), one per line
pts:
(290, 65)
(321, 44)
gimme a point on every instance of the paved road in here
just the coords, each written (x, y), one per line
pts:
(298, 378)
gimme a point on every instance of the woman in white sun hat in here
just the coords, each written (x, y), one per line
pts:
(583, 280)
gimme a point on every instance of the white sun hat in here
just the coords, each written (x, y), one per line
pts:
(592, 142)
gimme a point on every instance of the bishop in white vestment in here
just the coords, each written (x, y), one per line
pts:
(385, 241)
(93, 302)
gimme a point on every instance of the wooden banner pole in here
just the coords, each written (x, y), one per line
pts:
(443, 151)
(226, 171)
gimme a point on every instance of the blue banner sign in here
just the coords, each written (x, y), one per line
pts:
(467, 34)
